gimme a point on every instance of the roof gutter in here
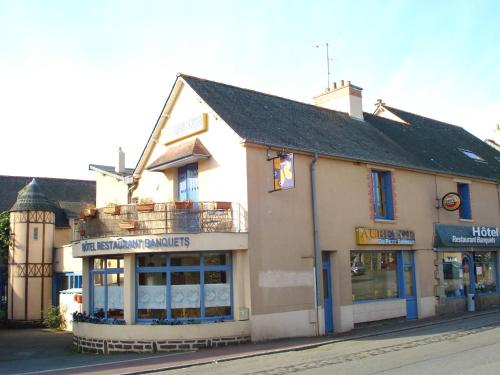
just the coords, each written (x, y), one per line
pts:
(317, 249)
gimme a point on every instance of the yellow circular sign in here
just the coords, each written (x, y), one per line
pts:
(451, 202)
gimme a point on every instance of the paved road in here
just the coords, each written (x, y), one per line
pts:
(470, 346)
(31, 350)
(467, 345)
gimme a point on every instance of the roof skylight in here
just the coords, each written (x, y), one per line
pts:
(472, 155)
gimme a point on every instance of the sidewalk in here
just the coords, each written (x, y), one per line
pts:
(207, 356)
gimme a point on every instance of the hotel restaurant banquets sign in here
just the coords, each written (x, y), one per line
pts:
(373, 236)
(466, 236)
(132, 244)
(283, 173)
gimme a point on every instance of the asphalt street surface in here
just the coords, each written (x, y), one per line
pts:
(466, 344)
(469, 346)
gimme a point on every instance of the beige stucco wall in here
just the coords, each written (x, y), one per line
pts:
(110, 190)
(64, 261)
(161, 332)
(62, 236)
(220, 178)
(281, 241)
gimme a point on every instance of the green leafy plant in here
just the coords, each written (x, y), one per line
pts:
(54, 318)
(4, 236)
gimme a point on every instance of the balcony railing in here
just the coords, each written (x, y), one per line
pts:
(162, 218)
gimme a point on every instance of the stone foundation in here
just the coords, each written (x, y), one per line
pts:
(103, 346)
(458, 305)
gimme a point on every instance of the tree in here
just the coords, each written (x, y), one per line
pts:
(4, 236)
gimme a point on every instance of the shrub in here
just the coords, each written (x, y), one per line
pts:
(54, 318)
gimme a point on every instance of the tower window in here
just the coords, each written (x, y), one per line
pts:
(35, 233)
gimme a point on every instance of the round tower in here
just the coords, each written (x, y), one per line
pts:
(32, 220)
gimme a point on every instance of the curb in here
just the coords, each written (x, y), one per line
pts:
(312, 345)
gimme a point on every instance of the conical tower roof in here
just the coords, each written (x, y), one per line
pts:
(32, 198)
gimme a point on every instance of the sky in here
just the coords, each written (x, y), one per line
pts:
(78, 79)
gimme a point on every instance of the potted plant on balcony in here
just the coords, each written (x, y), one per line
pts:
(89, 211)
(129, 224)
(223, 205)
(183, 205)
(112, 209)
(145, 205)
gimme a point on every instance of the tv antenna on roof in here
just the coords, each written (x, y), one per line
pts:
(327, 62)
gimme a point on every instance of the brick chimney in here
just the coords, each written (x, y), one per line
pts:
(120, 166)
(343, 97)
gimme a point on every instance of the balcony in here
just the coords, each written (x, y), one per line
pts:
(163, 218)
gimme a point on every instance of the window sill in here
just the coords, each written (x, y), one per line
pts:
(466, 220)
(392, 299)
(183, 322)
(452, 298)
(387, 221)
(484, 294)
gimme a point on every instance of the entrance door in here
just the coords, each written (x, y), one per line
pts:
(409, 287)
(188, 220)
(327, 293)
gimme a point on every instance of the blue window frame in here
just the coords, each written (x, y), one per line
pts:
(485, 272)
(184, 287)
(188, 182)
(63, 281)
(382, 195)
(106, 287)
(465, 211)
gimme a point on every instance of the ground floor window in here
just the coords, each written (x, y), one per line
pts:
(374, 275)
(485, 271)
(180, 287)
(454, 278)
(461, 269)
(106, 277)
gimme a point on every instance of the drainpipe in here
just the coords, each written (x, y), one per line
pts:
(132, 185)
(317, 249)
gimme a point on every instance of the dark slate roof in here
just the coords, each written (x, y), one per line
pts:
(111, 170)
(436, 144)
(32, 198)
(64, 194)
(274, 121)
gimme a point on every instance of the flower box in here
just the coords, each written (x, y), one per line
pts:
(183, 205)
(223, 205)
(129, 224)
(145, 207)
(112, 210)
(89, 212)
